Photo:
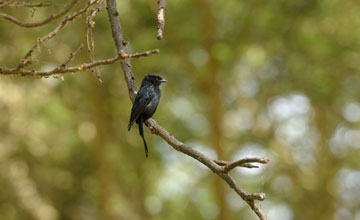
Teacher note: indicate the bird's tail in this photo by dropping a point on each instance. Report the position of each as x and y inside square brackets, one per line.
[141, 131]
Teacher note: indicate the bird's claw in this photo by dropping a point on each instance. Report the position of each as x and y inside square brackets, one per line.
[152, 129]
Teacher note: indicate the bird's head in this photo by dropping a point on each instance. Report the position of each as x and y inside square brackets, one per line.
[154, 79]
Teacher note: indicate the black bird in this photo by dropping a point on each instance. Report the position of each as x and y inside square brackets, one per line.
[146, 102]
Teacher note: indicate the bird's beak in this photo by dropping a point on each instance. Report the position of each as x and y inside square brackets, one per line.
[163, 80]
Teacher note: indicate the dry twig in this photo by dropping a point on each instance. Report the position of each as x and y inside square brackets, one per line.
[161, 18]
[71, 57]
[220, 168]
[40, 23]
[4, 4]
[89, 35]
[29, 5]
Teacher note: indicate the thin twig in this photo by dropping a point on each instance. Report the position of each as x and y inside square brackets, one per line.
[137, 55]
[4, 4]
[29, 5]
[161, 18]
[89, 35]
[71, 57]
[169, 138]
[40, 23]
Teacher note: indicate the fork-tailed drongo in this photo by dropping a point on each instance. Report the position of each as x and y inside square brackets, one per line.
[146, 102]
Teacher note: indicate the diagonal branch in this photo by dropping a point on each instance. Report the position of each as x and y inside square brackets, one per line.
[211, 164]
[40, 23]
[72, 55]
[120, 44]
[169, 138]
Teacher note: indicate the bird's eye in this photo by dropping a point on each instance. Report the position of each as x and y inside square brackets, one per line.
[157, 78]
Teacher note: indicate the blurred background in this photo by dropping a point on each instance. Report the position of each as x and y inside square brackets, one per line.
[277, 78]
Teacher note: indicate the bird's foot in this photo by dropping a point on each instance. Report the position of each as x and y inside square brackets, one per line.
[152, 129]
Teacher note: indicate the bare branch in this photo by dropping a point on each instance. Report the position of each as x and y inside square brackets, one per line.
[179, 146]
[120, 44]
[37, 24]
[161, 18]
[169, 138]
[81, 68]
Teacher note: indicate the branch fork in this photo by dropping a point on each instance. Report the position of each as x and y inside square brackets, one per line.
[227, 166]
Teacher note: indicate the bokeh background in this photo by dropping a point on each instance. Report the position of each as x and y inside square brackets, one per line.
[267, 78]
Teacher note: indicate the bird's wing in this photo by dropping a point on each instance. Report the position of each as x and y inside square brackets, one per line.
[142, 99]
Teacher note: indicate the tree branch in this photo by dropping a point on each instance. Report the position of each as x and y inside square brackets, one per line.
[14, 3]
[4, 4]
[40, 23]
[81, 68]
[72, 55]
[161, 18]
[212, 164]
[169, 138]
[120, 44]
